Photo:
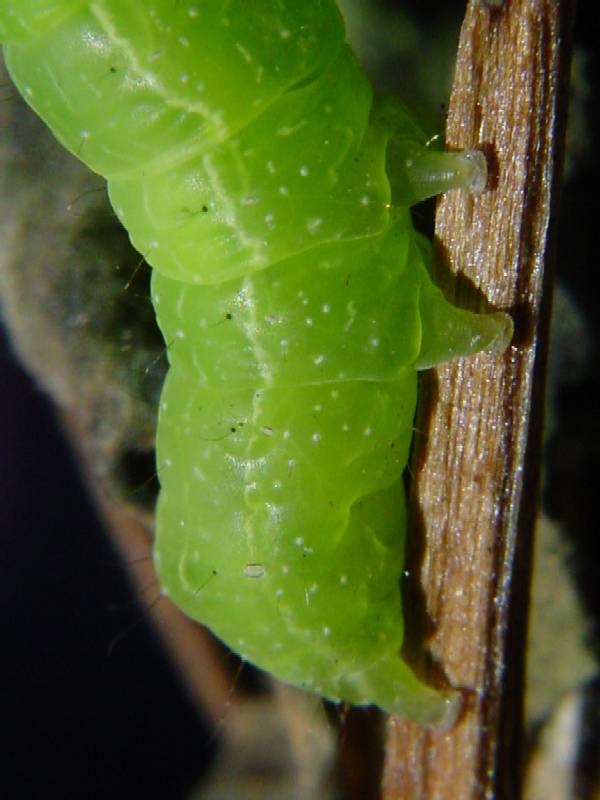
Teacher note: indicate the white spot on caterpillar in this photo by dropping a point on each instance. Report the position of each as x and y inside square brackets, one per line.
[244, 52]
[288, 130]
[344, 580]
[270, 220]
[180, 334]
[245, 466]
[292, 462]
[179, 304]
[326, 631]
[334, 394]
[277, 485]
[345, 427]
[279, 592]
[271, 167]
[192, 12]
[286, 434]
[374, 341]
[285, 33]
[275, 512]
[304, 170]
[319, 359]
[326, 308]
[299, 541]
[197, 473]
[351, 309]
[284, 344]
[283, 190]
[309, 321]
[316, 437]
[184, 41]
[285, 569]
[254, 571]
[313, 225]
[368, 431]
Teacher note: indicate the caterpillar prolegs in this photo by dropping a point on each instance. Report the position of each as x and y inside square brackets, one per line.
[270, 189]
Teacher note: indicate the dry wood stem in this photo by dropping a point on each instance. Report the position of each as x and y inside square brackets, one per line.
[475, 487]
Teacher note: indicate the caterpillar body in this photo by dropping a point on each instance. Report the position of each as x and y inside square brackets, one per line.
[269, 189]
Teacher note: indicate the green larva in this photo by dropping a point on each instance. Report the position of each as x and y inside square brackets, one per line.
[270, 190]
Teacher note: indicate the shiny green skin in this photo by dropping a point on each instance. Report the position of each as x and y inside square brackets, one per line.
[246, 157]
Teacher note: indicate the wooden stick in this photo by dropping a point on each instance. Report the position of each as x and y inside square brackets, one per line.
[475, 487]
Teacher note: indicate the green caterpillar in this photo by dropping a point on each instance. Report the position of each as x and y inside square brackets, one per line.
[251, 164]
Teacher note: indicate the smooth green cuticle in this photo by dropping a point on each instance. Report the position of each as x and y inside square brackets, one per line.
[247, 157]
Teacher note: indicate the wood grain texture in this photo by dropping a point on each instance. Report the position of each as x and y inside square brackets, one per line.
[476, 476]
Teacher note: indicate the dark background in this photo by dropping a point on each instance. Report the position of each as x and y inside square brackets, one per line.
[90, 706]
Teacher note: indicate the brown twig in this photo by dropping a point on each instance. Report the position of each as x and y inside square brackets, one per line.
[476, 481]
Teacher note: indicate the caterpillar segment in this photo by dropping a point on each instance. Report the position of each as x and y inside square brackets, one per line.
[255, 170]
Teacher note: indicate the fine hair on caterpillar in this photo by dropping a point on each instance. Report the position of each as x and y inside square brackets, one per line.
[270, 190]
[82, 196]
